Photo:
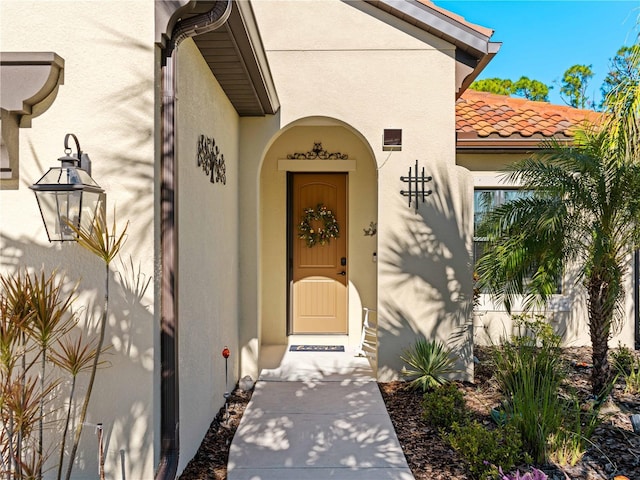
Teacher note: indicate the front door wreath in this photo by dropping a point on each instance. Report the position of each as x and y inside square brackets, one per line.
[318, 225]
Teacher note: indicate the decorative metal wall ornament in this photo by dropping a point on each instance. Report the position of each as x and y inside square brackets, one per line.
[419, 189]
[211, 160]
[372, 230]
[317, 153]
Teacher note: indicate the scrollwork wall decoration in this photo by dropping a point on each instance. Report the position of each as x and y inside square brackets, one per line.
[318, 153]
[211, 160]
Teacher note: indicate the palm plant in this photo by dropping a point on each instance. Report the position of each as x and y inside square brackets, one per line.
[35, 328]
[50, 306]
[34, 313]
[584, 211]
[73, 356]
[105, 243]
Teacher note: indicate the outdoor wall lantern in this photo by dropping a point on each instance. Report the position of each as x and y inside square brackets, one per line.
[67, 195]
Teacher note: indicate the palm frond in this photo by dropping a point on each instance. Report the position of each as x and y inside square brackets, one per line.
[525, 251]
[74, 356]
[100, 239]
[622, 108]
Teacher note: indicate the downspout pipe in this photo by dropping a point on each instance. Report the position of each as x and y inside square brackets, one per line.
[169, 384]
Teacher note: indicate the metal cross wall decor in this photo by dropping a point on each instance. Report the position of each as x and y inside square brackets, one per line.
[317, 153]
[419, 189]
[211, 160]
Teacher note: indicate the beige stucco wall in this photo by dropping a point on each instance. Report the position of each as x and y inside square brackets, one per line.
[107, 100]
[352, 63]
[567, 311]
[208, 263]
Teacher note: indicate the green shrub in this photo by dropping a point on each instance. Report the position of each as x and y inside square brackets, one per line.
[622, 359]
[628, 366]
[443, 406]
[568, 444]
[483, 449]
[429, 364]
[529, 373]
[633, 379]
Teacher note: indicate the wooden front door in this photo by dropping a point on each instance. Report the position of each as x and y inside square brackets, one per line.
[319, 273]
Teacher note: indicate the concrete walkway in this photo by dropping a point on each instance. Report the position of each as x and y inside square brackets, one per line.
[316, 416]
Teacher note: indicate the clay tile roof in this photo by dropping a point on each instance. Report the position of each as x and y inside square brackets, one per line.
[482, 114]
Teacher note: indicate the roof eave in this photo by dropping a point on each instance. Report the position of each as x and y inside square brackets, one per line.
[492, 50]
[505, 144]
[436, 23]
[244, 28]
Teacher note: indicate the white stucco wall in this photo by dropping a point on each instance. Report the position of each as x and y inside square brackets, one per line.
[353, 63]
[107, 100]
[208, 259]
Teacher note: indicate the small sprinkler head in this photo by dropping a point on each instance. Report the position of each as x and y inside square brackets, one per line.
[226, 352]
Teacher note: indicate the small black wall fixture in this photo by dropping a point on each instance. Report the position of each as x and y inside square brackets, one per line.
[417, 186]
[318, 153]
[211, 160]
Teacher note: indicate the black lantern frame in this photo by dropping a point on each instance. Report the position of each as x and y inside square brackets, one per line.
[68, 196]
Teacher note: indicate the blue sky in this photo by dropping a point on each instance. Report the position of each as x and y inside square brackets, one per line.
[541, 39]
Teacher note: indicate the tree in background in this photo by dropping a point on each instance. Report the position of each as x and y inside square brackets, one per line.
[531, 89]
[574, 83]
[499, 86]
[524, 87]
[621, 69]
[574, 86]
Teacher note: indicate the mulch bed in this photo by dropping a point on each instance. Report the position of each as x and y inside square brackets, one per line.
[615, 450]
[210, 462]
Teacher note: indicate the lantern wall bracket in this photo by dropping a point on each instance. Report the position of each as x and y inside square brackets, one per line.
[417, 186]
[68, 198]
[67, 150]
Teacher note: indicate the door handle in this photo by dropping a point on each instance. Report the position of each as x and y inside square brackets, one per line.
[343, 273]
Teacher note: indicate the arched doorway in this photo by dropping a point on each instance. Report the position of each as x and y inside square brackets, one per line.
[316, 163]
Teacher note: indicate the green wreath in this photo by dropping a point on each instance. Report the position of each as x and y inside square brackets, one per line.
[311, 232]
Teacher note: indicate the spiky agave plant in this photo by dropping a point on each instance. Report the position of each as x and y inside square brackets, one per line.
[430, 362]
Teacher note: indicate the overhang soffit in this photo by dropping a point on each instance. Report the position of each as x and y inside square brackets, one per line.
[233, 52]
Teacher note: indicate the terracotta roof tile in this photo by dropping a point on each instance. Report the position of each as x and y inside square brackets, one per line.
[488, 114]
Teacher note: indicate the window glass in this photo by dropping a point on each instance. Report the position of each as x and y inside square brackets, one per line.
[485, 200]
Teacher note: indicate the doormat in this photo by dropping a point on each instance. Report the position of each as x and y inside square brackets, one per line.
[316, 348]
